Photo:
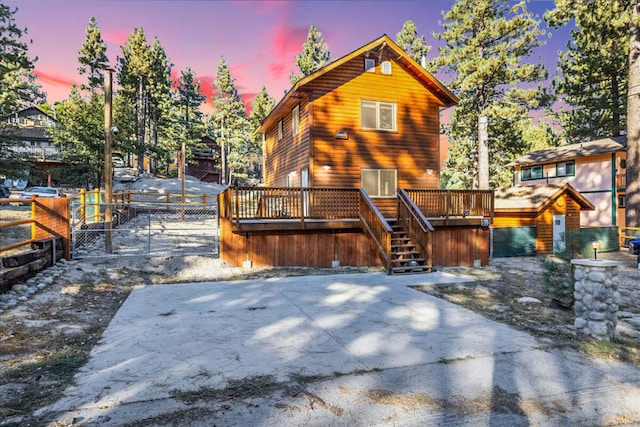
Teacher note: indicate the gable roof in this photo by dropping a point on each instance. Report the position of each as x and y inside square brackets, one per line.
[568, 152]
[439, 90]
[535, 198]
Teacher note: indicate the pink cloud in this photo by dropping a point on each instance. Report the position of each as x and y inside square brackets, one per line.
[118, 37]
[53, 79]
[287, 41]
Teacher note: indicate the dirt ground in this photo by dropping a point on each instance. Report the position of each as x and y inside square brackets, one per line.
[45, 339]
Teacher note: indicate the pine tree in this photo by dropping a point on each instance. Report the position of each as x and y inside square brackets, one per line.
[632, 211]
[186, 103]
[487, 44]
[230, 123]
[134, 68]
[18, 89]
[416, 47]
[159, 88]
[260, 109]
[92, 56]
[314, 55]
[594, 68]
[80, 136]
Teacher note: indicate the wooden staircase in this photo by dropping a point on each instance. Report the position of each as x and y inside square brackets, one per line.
[405, 255]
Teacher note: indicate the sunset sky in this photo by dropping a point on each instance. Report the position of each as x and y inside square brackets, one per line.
[259, 39]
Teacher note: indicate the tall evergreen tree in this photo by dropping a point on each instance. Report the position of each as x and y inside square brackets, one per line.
[260, 109]
[416, 47]
[594, 68]
[18, 89]
[314, 55]
[92, 56]
[487, 44]
[134, 68]
[80, 136]
[189, 125]
[159, 89]
[230, 122]
[632, 211]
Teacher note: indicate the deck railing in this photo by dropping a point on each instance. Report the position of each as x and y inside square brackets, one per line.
[254, 203]
[377, 228]
[416, 225]
[453, 203]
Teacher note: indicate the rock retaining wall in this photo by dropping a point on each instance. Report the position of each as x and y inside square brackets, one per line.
[596, 297]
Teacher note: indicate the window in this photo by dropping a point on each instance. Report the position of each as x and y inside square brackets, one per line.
[531, 172]
[370, 65]
[379, 182]
[386, 67]
[295, 120]
[565, 169]
[279, 130]
[378, 115]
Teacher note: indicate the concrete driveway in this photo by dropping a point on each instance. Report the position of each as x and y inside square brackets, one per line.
[349, 349]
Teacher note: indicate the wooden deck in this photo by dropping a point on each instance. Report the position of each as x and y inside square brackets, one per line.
[419, 218]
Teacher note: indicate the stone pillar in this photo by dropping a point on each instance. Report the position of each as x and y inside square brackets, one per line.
[596, 297]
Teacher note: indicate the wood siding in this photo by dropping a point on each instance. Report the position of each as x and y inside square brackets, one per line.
[332, 103]
[291, 153]
[543, 221]
[297, 248]
[460, 246]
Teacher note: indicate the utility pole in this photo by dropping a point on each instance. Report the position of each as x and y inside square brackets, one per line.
[183, 151]
[108, 161]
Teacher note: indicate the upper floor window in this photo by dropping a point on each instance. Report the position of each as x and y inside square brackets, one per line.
[531, 172]
[380, 182]
[378, 115]
[280, 134]
[565, 168]
[295, 120]
[386, 67]
[370, 65]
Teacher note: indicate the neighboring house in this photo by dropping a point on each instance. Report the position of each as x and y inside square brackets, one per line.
[533, 219]
[370, 120]
[207, 168]
[596, 169]
[29, 127]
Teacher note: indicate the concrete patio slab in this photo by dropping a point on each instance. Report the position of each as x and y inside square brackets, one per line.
[332, 350]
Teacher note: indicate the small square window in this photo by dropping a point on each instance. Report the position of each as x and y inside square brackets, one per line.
[531, 172]
[621, 202]
[386, 67]
[370, 65]
[564, 169]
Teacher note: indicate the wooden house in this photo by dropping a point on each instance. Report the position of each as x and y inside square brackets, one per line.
[531, 219]
[597, 169]
[206, 166]
[352, 174]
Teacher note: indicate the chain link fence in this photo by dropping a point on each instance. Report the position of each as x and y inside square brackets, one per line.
[145, 229]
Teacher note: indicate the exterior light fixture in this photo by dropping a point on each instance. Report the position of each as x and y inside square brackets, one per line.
[595, 244]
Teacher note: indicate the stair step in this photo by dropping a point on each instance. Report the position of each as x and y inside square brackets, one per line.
[405, 253]
[415, 262]
[410, 270]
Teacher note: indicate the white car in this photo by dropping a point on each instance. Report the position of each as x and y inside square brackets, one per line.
[40, 192]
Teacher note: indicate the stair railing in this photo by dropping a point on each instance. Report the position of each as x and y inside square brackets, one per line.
[377, 228]
[416, 225]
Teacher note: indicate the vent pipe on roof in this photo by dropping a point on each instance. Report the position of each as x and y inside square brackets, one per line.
[423, 61]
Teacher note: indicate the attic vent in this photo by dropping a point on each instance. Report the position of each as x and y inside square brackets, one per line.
[386, 67]
[370, 65]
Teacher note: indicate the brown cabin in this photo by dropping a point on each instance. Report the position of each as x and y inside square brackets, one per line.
[207, 162]
[370, 120]
[352, 174]
[552, 209]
